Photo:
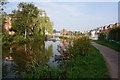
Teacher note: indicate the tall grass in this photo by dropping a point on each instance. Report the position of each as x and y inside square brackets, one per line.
[91, 65]
[85, 61]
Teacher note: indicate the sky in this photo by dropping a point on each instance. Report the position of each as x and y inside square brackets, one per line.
[76, 16]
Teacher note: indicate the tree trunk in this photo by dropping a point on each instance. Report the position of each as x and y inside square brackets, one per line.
[25, 33]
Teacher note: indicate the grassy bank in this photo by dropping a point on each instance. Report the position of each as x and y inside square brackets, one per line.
[84, 61]
[109, 44]
[90, 66]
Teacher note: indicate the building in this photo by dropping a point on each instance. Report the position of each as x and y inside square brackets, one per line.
[109, 27]
[94, 34]
[117, 24]
[105, 29]
[66, 32]
[6, 26]
[63, 32]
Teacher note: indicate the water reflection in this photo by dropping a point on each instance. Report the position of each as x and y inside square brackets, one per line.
[18, 57]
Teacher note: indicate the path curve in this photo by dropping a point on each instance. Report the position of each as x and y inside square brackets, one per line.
[111, 58]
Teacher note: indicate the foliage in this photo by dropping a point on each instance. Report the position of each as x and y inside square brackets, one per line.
[25, 18]
[20, 39]
[114, 34]
[29, 20]
[28, 23]
[63, 37]
[80, 47]
[2, 5]
[42, 73]
[49, 27]
[6, 38]
[110, 44]
[78, 33]
[102, 36]
[89, 66]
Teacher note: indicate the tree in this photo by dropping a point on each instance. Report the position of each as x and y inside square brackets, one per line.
[28, 19]
[2, 17]
[24, 18]
[2, 13]
[114, 34]
[102, 36]
[49, 27]
[2, 3]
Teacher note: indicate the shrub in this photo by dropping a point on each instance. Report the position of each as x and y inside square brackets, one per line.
[6, 38]
[63, 37]
[102, 36]
[114, 34]
[42, 72]
[80, 47]
[21, 39]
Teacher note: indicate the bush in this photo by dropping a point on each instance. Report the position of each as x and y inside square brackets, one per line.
[6, 38]
[21, 39]
[42, 72]
[114, 34]
[80, 47]
[102, 36]
[63, 37]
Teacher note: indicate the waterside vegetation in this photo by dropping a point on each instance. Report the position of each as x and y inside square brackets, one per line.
[84, 61]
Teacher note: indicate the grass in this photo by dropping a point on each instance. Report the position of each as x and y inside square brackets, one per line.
[42, 73]
[91, 65]
[109, 44]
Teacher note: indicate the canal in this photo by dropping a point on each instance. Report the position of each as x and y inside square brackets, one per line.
[16, 58]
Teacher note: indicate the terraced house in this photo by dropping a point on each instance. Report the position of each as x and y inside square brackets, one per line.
[105, 29]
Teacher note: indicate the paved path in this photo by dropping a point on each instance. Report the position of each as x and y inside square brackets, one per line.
[111, 58]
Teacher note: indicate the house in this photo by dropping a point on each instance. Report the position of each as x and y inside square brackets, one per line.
[105, 29]
[63, 32]
[117, 24]
[70, 33]
[66, 32]
[94, 35]
[6, 26]
[109, 27]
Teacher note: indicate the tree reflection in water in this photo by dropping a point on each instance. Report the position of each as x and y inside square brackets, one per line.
[23, 56]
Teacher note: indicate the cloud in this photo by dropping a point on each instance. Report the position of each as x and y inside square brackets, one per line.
[78, 15]
[60, 10]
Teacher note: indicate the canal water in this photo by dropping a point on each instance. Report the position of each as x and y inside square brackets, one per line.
[16, 58]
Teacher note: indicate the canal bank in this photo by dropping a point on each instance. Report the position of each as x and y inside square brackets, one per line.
[37, 60]
[19, 57]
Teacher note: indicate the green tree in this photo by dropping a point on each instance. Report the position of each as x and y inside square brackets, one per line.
[49, 27]
[24, 18]
[2, 5]
[102, 36]
[2, 18]
[114, 34]
[29, 20]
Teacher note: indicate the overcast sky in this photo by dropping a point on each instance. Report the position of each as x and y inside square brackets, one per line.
[76, 16]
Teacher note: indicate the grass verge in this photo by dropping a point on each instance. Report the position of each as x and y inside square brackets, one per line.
[90, 66]
[109, 44]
